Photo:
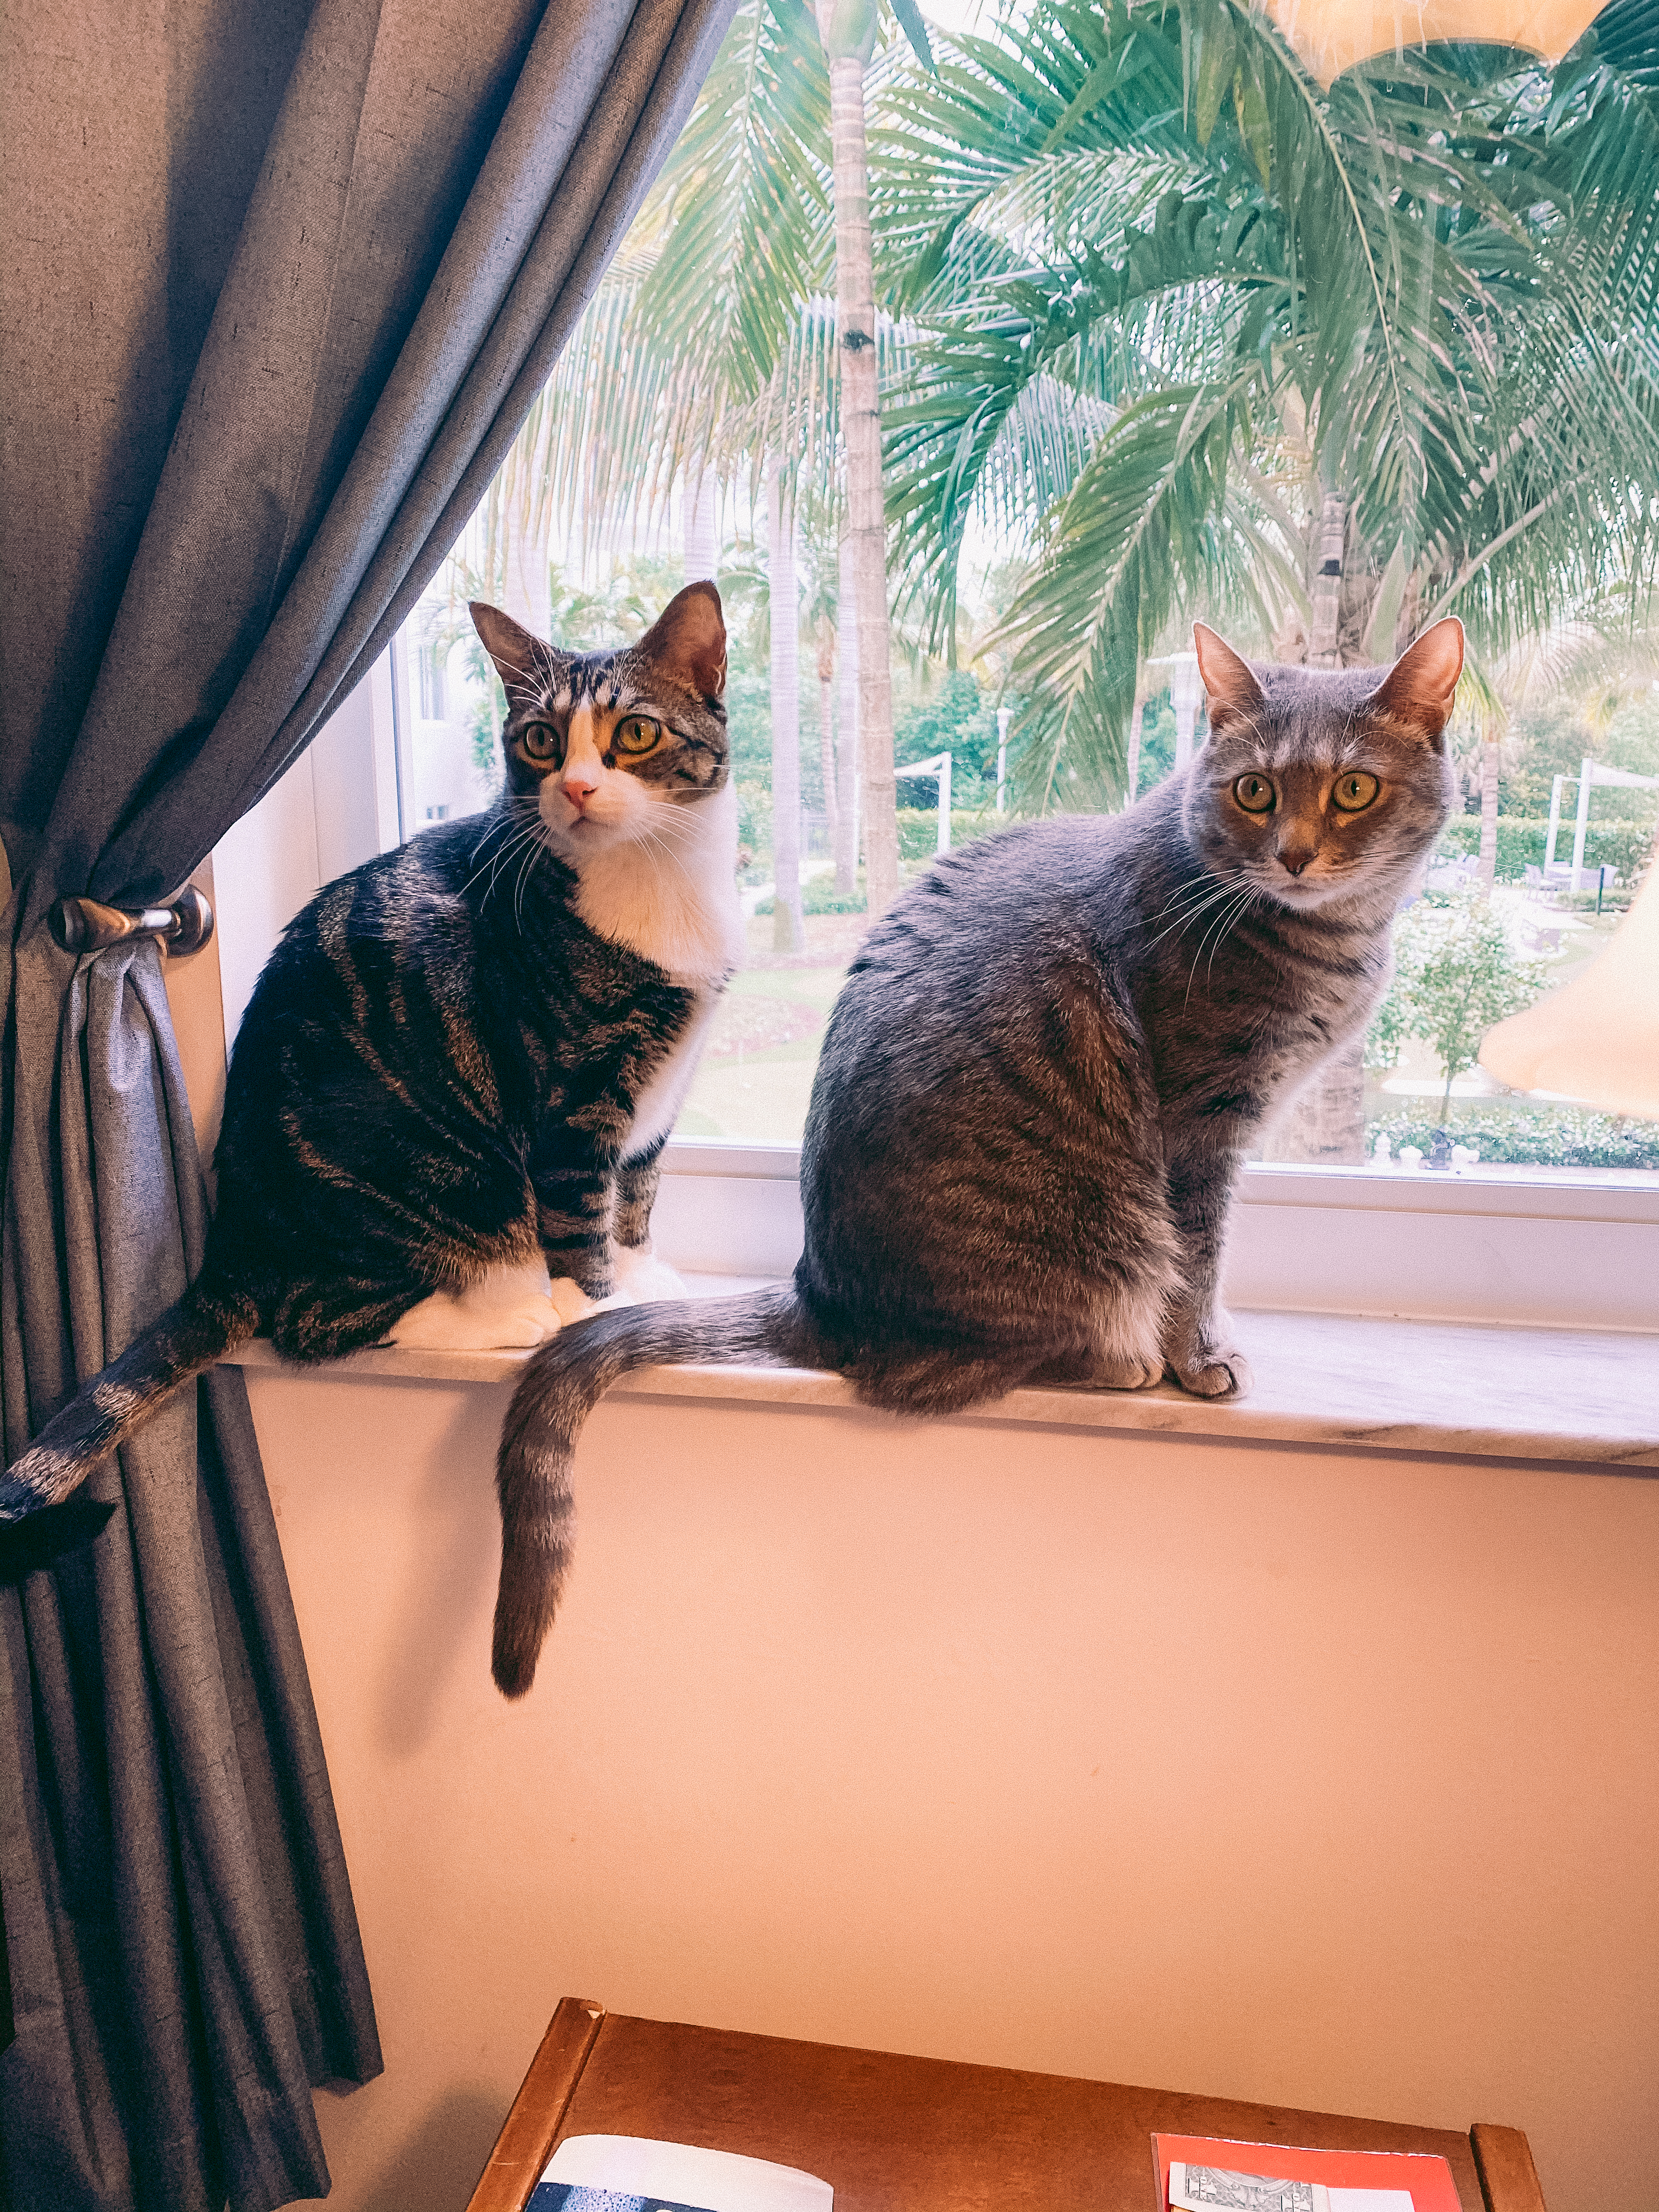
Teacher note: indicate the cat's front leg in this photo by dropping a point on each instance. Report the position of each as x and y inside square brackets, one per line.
[575, 1202]
[639, 1272]
[1198, 1330]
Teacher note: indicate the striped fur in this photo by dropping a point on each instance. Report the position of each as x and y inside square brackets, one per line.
[441, 1067]
[1037, 1082]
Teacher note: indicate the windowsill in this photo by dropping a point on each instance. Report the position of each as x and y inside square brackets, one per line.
[1583, 1396]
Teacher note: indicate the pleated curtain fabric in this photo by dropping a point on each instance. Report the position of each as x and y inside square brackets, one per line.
[280, 283]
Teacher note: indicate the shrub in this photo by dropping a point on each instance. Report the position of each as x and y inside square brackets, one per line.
[1522, 842]
[1541, 1136]
[918, 828]
[818, 895]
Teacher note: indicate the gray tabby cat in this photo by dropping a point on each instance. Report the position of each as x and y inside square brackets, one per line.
[1038, 1082]
[451, 1088]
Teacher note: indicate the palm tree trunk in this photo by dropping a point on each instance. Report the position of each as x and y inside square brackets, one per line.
[860, 422]
[1327, 1124]
[846, 821]
[827, 729]
[788, 929]
[1488, 815]
[1325, 645]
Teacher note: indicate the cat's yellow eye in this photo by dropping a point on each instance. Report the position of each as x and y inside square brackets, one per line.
[1355, 791]
[636, 733]
[540, 741]
[1254, 794]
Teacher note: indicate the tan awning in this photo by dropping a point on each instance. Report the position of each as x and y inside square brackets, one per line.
[1596, 1038]
[1332, 35]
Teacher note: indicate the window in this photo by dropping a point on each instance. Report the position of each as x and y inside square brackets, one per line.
[1338, 433]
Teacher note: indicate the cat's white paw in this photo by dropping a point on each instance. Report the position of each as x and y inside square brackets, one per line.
[1132, 1373]
[642, 1276]
[570, 1300]
[507, 1309]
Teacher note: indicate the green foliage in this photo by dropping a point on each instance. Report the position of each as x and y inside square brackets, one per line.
[1163, 288]
[747, 195]
[818, 895]
[1552, 740]
[958, 716]
[1158, 743]
[1457, 972]
[1537, 1136]
[1626, 846]
[918, 829]
[754, 817]
[487, 716]
[619, 609]
[748, 725]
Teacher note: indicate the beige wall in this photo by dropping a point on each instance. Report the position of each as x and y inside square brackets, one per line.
[1331, 1780]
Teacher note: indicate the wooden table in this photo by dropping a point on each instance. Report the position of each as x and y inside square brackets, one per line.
[915, 2135]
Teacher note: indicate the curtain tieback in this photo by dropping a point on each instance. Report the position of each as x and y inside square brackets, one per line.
[84, 925]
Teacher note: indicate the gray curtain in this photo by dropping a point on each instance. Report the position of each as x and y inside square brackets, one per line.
[280, 283]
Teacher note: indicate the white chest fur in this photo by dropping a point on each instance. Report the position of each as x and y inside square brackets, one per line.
[672, 897]
[671, 894]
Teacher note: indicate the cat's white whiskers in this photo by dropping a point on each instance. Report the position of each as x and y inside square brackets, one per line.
[504, 859]
[1195, 900]
[1203, 880]
[1220, 889]
[497, 860]
[653, 839]
[1217, 929]
[493, 829]
[538, 845]
[1237, 915]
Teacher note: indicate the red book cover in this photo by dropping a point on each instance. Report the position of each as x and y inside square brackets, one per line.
[1421, 2176]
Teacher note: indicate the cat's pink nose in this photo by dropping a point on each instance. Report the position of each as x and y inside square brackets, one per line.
[1294, 860]
[580, 787]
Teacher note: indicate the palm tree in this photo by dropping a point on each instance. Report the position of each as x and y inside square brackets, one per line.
[788, 928]
[1201, 331]
[847, 28]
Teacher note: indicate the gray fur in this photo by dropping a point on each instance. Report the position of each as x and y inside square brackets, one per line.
[1037, 1084]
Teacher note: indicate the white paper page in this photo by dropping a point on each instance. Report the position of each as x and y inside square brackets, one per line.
[1371, 2200]
[715, 2180]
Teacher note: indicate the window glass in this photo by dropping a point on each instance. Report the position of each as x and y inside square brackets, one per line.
[1210, 312]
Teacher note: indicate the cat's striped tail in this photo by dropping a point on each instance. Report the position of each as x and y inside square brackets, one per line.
[189, 1336]
[561, 1385]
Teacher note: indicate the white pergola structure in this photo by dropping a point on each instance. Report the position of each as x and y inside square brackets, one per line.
[939, 766]
[1186, 697]
[1589, 772]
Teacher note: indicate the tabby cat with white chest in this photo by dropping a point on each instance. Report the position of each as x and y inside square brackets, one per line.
[1047, 1061]
[451, 1088]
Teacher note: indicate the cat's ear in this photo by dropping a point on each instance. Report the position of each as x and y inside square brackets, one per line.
[688, 639]
[1418, 687]
[1233, 694]
[519, 657]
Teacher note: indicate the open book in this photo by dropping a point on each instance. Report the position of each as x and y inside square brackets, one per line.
[1203, 2173]
[631, 2173]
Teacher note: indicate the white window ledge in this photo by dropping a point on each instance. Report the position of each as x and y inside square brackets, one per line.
[1584, 1397]
[1544, 1248]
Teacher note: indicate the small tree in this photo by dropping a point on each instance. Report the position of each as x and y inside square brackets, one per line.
[1457, 971]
